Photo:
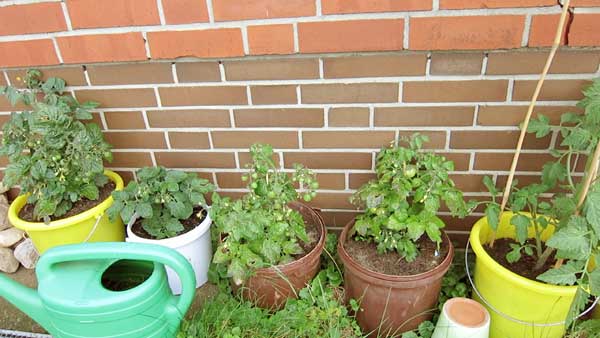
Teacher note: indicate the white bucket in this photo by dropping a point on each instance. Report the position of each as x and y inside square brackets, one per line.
[194, 245]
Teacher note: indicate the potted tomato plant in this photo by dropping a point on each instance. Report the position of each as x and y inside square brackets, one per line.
[539, 252]
[56, 157]
[396, 253]
[167, 207]
[269, 245]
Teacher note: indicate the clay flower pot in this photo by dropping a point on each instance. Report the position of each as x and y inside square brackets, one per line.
[389, 304]
[270, 288]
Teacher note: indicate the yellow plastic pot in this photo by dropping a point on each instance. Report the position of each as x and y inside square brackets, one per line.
[91, 225]
[519, 307]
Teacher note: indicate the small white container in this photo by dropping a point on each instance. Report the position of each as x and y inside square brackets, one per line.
[194, 245]
[462, 318]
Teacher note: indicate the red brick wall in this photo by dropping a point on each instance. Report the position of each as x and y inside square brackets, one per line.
[192, 83]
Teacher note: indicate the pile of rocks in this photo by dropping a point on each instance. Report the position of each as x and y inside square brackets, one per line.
[15, 248]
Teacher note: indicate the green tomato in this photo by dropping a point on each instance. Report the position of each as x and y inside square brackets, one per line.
[410, 171]
[314, 185]
[271, 194]
[307, 198]
[254, 185]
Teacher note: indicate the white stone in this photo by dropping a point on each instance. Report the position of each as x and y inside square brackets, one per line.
[8, 262]
[10, 237]
[26, 254]
[4, 223]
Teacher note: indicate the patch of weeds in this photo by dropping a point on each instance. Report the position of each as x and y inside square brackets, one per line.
[585, 329]
[318, 312]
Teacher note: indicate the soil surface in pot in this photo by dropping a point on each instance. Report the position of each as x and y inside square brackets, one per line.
[390, 263]
[80, 206]
[188, 224]
[524, 267]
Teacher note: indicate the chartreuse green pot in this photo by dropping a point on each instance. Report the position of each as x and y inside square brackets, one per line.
[519, 307]
[92, 225]
[106, 290]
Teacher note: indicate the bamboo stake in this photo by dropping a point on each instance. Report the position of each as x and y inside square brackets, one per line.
[536, 93]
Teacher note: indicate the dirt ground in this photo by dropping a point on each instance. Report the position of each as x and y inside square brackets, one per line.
[13, 319]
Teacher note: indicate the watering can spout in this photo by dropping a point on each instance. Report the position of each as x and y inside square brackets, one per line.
[26, 299]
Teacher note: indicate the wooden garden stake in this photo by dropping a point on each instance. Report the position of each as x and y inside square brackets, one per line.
[536, 93]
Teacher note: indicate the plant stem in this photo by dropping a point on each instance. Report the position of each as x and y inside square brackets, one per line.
[543, 258]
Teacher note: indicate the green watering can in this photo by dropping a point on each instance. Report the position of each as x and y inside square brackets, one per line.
[106, 290]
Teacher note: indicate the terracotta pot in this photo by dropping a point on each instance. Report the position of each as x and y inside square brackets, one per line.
[391, 304]
[270, 288]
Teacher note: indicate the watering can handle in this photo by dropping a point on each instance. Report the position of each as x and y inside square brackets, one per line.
[131, 251]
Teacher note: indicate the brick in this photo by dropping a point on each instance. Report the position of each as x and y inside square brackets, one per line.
[437, 139]
[502, 161]
[136, 140]
[491, 139]
[124, 120]
[195, 159]
[231, 10]
[112, 13]
[244, 139]
[565, 62]
[329, 160]
[189, 140]
[514, 115]
[73, 75]
[19, 53]
[189, 118]
[197, 96]
[351, 36]
[137, 73]
[102, 48]
[2, 80]
[374, 66]
[338, 219]
[7, 107]
[274, 94]
[32, 18]
[367, 6]
[543, 29]
[231, 180]
[464, 4]
[282, 69]
[584, 3]
[466, 32]
[552, 90]
[184, 11]
[198, 71]
[350, 93]
[331, 181]
[348, 117]
[119, 98]
[358, 180]
[208, 43]
[130, 160]
[455, 91]
[271, 39]
[456, 63]
[461, 160]
[469, 182]
[284, 118]
[584, 30]
[347, 139]
[423, 116]
[325, 200]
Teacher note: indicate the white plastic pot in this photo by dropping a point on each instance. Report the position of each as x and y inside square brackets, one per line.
[461, 318]
[194, 245]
